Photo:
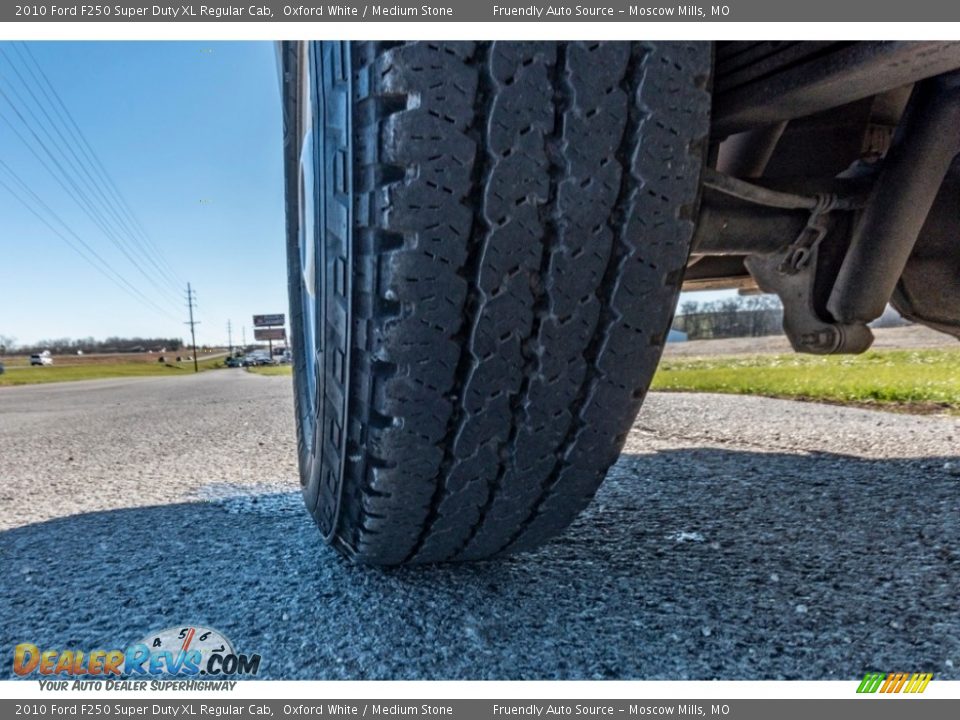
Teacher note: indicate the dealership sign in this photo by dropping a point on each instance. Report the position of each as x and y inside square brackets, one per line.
[269, 320]
[269, 334]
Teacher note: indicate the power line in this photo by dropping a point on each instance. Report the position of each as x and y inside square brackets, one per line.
[78, 163]
[104, 266]
[83, 202]
[98, 262]
[74, 175]
[91, 154]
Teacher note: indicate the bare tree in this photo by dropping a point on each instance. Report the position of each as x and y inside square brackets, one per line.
[741, 316]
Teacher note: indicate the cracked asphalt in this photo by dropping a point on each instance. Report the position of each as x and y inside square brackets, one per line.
[736, 538]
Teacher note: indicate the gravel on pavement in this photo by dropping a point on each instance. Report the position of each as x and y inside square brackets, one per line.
[736, 538]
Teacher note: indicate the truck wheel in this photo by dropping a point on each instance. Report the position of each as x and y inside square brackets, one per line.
[485, 245]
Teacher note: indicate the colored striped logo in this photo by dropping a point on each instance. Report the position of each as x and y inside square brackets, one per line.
[895, 682]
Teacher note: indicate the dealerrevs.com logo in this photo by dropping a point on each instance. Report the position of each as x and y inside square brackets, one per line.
[188, 651]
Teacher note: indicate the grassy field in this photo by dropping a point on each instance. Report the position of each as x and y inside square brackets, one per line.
[911, 380]
[925, 380]
[271, 369]
[149, 358]
[99, 368]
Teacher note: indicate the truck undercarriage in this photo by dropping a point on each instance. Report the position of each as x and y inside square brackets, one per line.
[831, 182]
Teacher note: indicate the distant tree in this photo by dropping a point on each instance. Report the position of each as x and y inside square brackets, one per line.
[108, 345]
[689, 307]
[740, 316]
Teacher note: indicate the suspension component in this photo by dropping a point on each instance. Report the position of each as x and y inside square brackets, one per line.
[925, 145]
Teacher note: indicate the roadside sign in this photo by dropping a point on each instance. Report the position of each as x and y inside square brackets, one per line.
[269, 334]
[269, 320]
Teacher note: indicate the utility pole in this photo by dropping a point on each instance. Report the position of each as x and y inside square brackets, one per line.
[191, 301]
[243, 331]
[229, 340]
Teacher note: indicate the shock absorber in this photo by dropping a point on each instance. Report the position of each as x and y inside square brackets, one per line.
[926, 142]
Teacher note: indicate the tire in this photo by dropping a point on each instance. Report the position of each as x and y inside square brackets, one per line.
[496, 235]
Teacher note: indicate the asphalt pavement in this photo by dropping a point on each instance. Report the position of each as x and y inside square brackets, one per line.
[736, 538]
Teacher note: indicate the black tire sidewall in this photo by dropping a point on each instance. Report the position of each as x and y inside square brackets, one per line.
[294, 132]
[322, 453]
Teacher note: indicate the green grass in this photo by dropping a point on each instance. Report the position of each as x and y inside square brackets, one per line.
[99, 371]
[271, 369]
[916, 380]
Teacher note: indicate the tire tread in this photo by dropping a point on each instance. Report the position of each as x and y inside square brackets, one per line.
[523, 213]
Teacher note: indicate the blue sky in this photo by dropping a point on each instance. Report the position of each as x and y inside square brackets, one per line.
[191, 135]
